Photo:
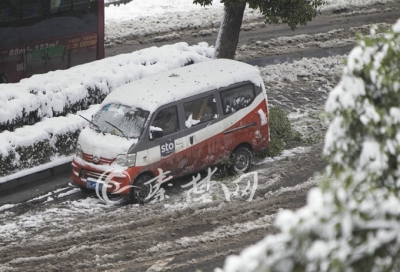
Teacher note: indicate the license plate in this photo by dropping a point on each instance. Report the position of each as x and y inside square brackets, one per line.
[92, 184]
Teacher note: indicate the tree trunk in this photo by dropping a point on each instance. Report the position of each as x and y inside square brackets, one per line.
[228, 36]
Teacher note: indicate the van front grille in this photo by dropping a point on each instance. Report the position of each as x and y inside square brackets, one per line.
[100, 160]
[93, 175]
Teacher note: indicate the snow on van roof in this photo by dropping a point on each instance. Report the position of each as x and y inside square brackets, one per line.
[151, 92]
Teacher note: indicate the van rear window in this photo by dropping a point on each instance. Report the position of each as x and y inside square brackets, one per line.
[237, 98]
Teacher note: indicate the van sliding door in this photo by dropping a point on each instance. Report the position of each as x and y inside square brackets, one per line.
[200, 114]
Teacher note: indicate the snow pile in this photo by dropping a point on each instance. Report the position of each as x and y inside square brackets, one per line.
[352, 221]
[67, 91]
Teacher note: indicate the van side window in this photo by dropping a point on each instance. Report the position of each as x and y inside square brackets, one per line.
[237, 98]
[167, 120]
[200, 110]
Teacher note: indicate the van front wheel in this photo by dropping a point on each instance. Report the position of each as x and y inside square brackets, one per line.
[85, 190]
[241, 160]
[141, 191]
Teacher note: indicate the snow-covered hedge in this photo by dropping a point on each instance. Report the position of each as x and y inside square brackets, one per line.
[63, 92]
[352, 221]
[38, 144]
[68, 91]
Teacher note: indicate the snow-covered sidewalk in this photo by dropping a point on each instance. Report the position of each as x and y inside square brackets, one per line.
[139, 17]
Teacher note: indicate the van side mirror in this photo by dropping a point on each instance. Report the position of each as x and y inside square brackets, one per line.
[155, 132]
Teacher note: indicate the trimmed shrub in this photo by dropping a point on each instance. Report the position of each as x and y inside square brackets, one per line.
[280, 130]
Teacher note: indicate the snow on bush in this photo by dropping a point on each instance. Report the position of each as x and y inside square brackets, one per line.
[67, 91]
[352, 221]
[40, 143]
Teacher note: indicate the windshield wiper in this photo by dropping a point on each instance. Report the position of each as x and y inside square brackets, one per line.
[118, 129]
[93, 124]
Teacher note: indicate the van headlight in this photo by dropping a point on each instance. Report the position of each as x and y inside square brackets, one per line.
[78, 151]
[126, 160]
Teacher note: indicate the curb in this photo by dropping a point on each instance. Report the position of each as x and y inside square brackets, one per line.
[53, 171]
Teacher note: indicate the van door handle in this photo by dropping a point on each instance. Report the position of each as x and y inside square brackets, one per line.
[191, 138]
[179, 142]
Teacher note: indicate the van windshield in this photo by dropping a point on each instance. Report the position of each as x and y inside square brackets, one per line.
[120, 120]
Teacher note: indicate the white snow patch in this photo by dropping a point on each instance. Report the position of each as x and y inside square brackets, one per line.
[41, 197]
[70, 192]
[263, 117]
[286, 153]
[311, 182]
[6, 207]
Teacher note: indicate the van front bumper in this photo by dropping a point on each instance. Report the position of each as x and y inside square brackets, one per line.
[116, 180]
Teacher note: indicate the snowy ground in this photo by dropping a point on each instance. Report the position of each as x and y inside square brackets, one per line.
[83, 233]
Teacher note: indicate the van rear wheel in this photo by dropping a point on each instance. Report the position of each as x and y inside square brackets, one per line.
[241, 160]
[141, 191]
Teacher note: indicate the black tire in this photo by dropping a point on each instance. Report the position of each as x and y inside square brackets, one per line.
[241, 160]
[141, 191]
[85, 190]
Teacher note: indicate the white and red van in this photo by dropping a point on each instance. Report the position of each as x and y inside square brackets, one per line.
[181, 121]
